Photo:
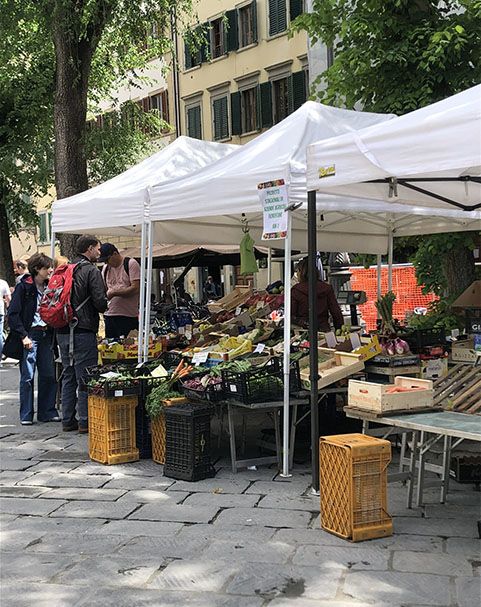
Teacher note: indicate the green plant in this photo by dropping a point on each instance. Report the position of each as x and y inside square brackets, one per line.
[155, 403]
[439, 315]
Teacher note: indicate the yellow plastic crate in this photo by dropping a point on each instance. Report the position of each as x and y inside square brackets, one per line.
[112, 429]
[158, 431]
[353, 486]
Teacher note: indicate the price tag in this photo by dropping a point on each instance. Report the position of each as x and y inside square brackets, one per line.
[118, 393]
[181, 330]
[139, 365]
[260, 304]
[200, 357]
[196, 331]
[238, 310]
[233, 388]
[355, 340]
[260, 348]
[188, 335]
[330, 339]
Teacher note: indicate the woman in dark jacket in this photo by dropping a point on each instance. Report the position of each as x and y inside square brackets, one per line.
[326, 302]
[25, 322]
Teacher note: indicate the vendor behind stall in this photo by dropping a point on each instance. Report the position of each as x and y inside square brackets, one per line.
[326, 302]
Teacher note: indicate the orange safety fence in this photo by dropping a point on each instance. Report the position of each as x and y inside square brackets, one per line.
[409, 294]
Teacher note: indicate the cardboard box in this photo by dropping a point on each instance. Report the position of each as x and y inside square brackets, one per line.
[434, 368]
[464, 352]
[237, 297]
[370, 396]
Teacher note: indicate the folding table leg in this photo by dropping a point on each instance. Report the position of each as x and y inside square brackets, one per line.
[412, 468]
[446, 468]
[233, 453]
[403, 451]
[421, 470]
[293, 436]
[277, 432]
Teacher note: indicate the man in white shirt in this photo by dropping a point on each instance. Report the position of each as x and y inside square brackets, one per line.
[4, 303]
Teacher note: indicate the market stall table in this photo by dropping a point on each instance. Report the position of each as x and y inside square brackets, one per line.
[444, 425]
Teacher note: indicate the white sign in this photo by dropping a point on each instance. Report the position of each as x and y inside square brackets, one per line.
[260, 348]
[274, 200]
[200, 357]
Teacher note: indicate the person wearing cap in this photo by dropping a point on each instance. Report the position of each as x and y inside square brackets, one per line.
[122, 281]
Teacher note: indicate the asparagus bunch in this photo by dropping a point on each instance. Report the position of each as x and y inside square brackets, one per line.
[384, 306]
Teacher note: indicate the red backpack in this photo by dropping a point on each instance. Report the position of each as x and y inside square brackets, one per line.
[55, 307]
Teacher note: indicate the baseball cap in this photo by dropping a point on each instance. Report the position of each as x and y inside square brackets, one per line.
[106, 250]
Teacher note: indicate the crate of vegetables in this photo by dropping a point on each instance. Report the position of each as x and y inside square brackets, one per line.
[249, 385]
[207, 386]
[114, 384]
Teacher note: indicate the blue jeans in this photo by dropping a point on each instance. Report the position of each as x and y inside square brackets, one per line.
[85, 354]
[40, 358]
[2, 319]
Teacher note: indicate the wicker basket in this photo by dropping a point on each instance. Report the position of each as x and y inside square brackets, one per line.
[112, 429]
[158, 431]
[353, 486]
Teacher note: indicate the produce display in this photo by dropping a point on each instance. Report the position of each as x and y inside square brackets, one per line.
[391, 344]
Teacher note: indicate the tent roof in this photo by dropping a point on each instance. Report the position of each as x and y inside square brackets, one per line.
[435, 148]
[117, 205]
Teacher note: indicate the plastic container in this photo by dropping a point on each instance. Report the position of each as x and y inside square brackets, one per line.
[353, 486]
[254, 385]
[421, 338]
[112, 429]
[157, 425]
[188, 453]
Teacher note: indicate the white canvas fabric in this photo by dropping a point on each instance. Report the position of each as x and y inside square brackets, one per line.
[117, 205]
[442, 140]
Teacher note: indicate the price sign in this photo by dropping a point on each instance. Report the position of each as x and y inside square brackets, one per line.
[260, 304]
[260, 348]
[238, 310]
[200, 357]
[355, 340]
[330, 339]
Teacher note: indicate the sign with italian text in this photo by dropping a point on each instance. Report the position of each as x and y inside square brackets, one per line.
[274, 200]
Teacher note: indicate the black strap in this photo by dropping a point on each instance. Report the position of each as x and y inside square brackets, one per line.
[126, 266]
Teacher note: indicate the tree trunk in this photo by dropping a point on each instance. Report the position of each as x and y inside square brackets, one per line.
[459, 270]
[6, 259]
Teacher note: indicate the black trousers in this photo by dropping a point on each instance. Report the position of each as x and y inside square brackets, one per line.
[118, 326]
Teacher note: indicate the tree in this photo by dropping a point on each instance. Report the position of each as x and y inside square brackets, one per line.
[395, 56]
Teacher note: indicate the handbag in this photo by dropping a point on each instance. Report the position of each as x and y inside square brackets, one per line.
[13, 346]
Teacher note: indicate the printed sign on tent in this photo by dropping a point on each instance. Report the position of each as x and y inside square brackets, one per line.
[274, 200]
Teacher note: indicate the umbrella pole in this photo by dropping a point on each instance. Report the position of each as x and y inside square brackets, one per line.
[269, 266]
[287, 345]
[148, 292]
[390, 259]
[313, 354]
[52, 246]
[142, 293]
[379, 276]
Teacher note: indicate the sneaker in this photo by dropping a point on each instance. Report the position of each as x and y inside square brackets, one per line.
[26, 423]
[55, 419]
[83, 430]
[70, 428]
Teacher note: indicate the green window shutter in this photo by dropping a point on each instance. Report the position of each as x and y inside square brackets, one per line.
[281, 16]
[254, 21]
[194, 125]
[188, 57]
[265, 105]
[298, 89]
[290, 95]
[232, 33]
[296, 8]
[43, 227]
[273, 17]
[203, 32]
[221, 118]
[235, 113]
[49, 226]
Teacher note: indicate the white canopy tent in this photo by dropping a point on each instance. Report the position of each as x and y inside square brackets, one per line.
[428, 158]
[120, 205]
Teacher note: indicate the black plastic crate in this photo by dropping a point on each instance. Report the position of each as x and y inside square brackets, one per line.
[467, 469]
[187, 435]
[170, 359]
[406, 360]
[143, 431]
[116, 388]
[254, 385]
[422, 338]
[213, 393]
[473, 320]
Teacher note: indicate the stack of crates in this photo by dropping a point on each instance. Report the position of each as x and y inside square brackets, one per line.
[353, 486]
[112, 429]
[188, 450]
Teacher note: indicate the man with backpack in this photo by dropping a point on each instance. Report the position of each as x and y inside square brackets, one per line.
[122, 280]
[78, 339]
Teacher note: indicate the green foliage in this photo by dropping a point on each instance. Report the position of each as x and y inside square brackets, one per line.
[155, 402]
[440, 315]
[395, 55]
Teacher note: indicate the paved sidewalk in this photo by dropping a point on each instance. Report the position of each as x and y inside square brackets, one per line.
[76, 533]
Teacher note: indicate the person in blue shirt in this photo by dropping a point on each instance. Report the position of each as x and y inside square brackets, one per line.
[37, 339]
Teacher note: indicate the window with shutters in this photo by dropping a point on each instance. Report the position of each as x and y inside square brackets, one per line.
[247, 19]
[280, 99]
[220, 116]
[249, 121]
[194, 122]
[217, 38]
[44, 227]
[277, 17]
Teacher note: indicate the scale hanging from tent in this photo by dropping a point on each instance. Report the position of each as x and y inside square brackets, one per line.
[352, 299]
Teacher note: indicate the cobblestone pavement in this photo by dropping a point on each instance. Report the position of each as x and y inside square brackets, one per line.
[78, 533]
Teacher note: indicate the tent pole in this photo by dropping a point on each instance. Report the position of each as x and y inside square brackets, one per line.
[379, 276]
[142, 292]
[287, 345]
[148, 292]
[390, 258]
[52, 246]
[269, 266]
[313, 354]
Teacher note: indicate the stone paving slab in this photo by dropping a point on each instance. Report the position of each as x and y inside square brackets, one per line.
[131, 528]
[61, 456]
[399, 588]
[51, 468]
[212, 484]
[164, 547]
[23, 491]
[264, 517]
[77, 543]
[451, 511]
[343, 557]
[221, 500]
[37, 524]
[7, 463]
[15, 540]
[468, 591]
[308, 503]
[195, 576]
[303, 602]
[116, 571]
[38, 506]
[148, 496]
[463, 546]
[279, 487]
[86, 509]
[234, 533]
[444, 527]
[77, 493]
[284, 580]
[9, 478]
[174, 513]
[29, 568]
[45, 479]
[41, 595]
[440, 564]
[122, 481]
[248, 550]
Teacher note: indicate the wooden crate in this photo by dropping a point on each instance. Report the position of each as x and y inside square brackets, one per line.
[235, 298]
[370, 396]
[112, 429]
[464, 352]
[335, 366]
[158, 431]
